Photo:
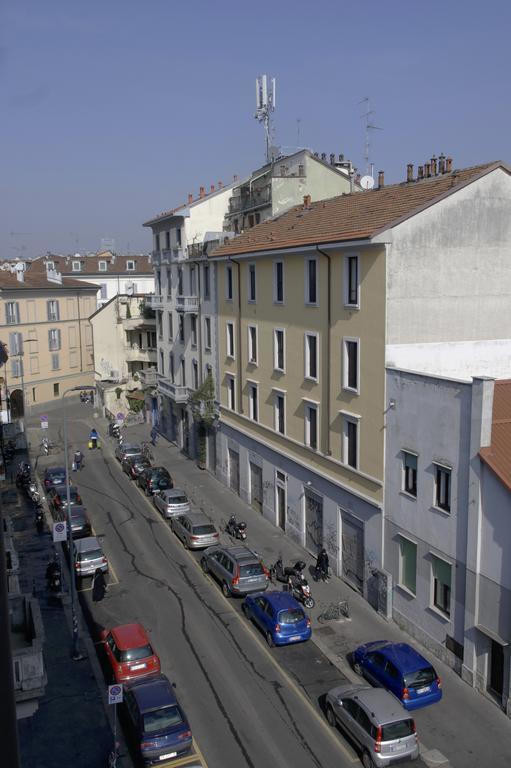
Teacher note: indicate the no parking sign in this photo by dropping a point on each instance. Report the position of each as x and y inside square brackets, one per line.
[59, 531]
[115, 694]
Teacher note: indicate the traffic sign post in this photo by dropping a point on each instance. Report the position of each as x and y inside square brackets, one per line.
[115, 697]
[59, 531]
[44, 422]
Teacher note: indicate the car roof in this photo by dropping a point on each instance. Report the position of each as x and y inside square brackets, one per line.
[153, 692]
[54, 470]
[240, 552]
[402, 655]
[198, 518]
[157, 469]
[62, 487]
[381, 705]
[171, 493]
[129, 636]
[280, 600]
[77, 510]
[87, 544]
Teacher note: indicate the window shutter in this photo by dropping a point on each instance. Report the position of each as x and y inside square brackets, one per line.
[59, 343]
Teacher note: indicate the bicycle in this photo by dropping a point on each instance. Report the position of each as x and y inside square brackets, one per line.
[335, 612]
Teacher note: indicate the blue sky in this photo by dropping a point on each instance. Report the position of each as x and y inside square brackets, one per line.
[114, 110]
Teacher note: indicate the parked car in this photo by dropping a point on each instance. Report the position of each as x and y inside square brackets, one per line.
[88, 556]
[135, 465]
[279, 616]
[195, 530]
[156, 721]
[155, 479]
[171, 502]
[401, 670]
[80, 523]
[375, 721]
[127, 449]
[129, 652]
[57, 496]
[237, 569]
[54, 476]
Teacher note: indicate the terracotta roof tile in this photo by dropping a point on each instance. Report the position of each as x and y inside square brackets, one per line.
[354, 216]
[38, 281]
[498, 454]
[90, 264]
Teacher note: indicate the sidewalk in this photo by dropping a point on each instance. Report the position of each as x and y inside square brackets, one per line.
[455, 732]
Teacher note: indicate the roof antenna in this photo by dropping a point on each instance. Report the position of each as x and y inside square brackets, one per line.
[367, 181]
[266, 101]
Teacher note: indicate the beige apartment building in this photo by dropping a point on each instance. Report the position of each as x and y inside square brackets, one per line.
[44, 323]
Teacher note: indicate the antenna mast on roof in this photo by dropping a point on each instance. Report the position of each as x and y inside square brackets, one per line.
[367, 144]
[265, 102]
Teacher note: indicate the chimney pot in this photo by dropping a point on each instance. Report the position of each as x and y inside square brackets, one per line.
[381, 179]
[306, 201]
[341, 157]
[202, 192]
[420, 172]
[212, 188]
[448, 164]
[409, 172]
[441, 163]
[220, 184]
[235, 177]
[190, 197]
[332, 158]
[323, 156]
[427, 170]
[434, 171]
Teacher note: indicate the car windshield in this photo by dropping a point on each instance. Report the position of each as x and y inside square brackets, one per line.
[397, 730]
[177, 500]
[201, 530]
[57, 476]
[91, 554]
[291, 616]
[253, 569]
[424, 676]
[133, 654]
[161, 719]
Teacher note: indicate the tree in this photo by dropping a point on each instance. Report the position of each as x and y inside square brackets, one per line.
[202, 403]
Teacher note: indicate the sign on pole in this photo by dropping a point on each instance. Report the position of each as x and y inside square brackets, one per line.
[115, 693]
[44, 422]
[60, 531]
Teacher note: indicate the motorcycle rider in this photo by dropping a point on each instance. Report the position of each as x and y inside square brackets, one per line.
[94, 437]
[322, 565]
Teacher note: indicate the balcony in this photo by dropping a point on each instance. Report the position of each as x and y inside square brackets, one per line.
[176, 392]
[168, 256]
[134, 354]
[148, 377]
[27, 637]
[155, 302]
[139, 323]
[187, 303]
[246, 202]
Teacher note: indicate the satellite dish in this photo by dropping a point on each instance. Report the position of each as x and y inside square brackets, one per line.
[367, 182]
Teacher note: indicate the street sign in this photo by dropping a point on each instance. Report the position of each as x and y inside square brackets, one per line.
[44, 422]
[120, 417]
[60, 531]
[114, 694]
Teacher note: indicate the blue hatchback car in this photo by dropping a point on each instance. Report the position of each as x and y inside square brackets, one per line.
[156, 721]
[401, 670]
[279, 616]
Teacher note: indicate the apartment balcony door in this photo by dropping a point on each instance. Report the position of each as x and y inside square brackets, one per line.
[313, 522]
[352, 551]
[496, 683]
[234, 471]
[256, 487]
[280, 499]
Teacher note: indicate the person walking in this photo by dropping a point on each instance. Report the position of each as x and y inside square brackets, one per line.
[322, 565]
[78, 460]
[98, 586]
[154, 435]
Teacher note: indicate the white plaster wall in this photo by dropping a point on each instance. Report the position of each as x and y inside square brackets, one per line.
[454, 359]
[109, 352]
[115, 285]
[207, 216]
[449, 268]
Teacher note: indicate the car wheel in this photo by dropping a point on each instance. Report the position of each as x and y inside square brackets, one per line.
[357, 667]
[269, 639]
[367, 760]
[185, 542]
[204, 565]
[246, 612]
[330, 717]
[225, 589]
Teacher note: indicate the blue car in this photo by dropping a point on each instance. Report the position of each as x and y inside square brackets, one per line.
[279, 616]
[156, 721]
[401, 670]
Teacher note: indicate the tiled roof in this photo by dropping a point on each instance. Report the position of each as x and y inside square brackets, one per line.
[498, 454]
[356, 216]
[39, 281]
[90, 264]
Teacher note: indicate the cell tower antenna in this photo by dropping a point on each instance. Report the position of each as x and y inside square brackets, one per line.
[266, 90]
[368, 128]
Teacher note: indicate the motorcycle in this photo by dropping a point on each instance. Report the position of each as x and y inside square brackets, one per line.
[236, 529]
[114, 430]
[22, 474]
[280, 573]
[54, 575]
[46, 445]
[31, 489]
[299, 588]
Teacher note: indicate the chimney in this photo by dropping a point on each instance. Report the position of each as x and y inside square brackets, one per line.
[190, 197]
[332, 158]
[441, 163]
[323, 156]
[381, 179]
[212, 188]
[409, 172]
[341, 157]
[220, 184]
[420, 172]
[434, 171]
[306, 202]
[235, 177]
[202, 192]
[448, 164]
[427, 170]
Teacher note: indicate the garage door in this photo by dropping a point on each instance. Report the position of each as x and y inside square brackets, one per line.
[313, 522]
[352, 551]
[234, 471]
[256, 487]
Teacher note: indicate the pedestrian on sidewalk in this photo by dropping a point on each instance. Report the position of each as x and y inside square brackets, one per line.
[98, 586]
[154, 435]
[322, 566]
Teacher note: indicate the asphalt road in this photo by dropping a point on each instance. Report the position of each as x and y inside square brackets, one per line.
[248, 705]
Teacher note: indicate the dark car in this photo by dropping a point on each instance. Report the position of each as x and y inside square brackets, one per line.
[80, 523]
[155, 479]
[127, 449]
[156, 721]
[401, 670]
[279, 616]
[57, 496]
[54, 476]
[135, 465]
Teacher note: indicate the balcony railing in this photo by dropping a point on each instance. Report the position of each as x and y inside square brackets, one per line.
[148, 377]
[155, 302]
[136, 355]
[168, 256]
[187, 303]
[176, 392]
[246, 202]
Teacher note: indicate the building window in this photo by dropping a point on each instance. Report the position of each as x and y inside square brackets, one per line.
[195, 374]
[169, 283]
[230, 339]
[408, 565]
[193, 282]
[15, 343]
[206, 280]
[351, 281]
[311, 288]
[180, 281]
[253, 402]
[33, 394]
[50, 265]
[12, 312]
[76, 266]
[183, 372]
[53, 310]
[181, 322]
[410, 473]
[280, 413]
[16, 367]
[251, 282]
[278, 282]
[54, 340]
[179, 240]
[130, 266]
[162, 364]
[252, 344]
[167, 240]
[442, 488]
[441, 576]
[311, 425]
[102, 266]
[157, 241]
[228, 283]
[311, 356]
[350, 376]
[56, 390]
[172, 372]
[55, 362]
[207, 332]
[193, 330]
[171, 326]
[231, 392]
[279, 358]
[350, 440]
[103, 290]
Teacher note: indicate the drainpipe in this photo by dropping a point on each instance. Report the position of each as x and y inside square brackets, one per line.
[199, 322]
[79, 331]
[327, 451]
[238, 337]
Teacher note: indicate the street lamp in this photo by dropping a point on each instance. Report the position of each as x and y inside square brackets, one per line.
[75, 652]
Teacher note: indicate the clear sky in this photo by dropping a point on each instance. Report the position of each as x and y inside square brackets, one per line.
[114, 110]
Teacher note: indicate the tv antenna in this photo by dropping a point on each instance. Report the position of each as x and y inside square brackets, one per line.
[265, 101]
[370, 126]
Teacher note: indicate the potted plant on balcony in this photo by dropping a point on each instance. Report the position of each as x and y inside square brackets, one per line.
[202, 403]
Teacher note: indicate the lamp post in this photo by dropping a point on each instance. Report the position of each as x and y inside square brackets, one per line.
[75, 652]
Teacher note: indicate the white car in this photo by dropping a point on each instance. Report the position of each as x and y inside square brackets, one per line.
[171, 502]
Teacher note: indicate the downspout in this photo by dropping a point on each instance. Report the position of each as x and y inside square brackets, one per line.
[199, 323]
[79, 331]
[238, 337]
[327, 451]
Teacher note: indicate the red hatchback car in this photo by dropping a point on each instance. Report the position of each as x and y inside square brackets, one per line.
[129, 652]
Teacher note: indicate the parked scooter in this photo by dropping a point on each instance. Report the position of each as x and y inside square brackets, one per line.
[54, 575]
[236, 529]
[22, 474]
[46, 445]
[279, 572]
[299, 587]
[114, 430]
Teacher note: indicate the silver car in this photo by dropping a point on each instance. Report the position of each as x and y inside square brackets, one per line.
[195, 530]
[89, 556]
[171, 502]
[238, 570]
[376, 721]
[127, 449]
